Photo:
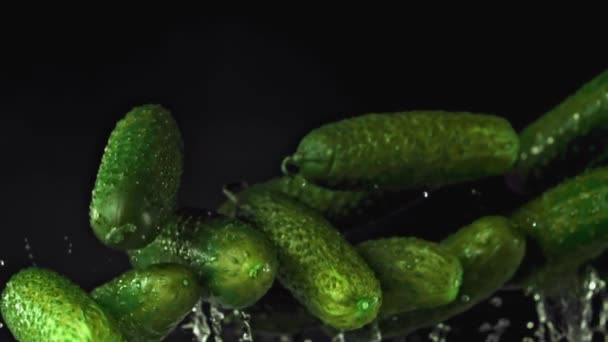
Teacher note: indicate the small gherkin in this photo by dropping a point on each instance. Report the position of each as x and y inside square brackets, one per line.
[235, 263]
[149, 303]
[404, 150]
[414, 274]
[316, 264]
[41, 305]
[138, 179]
[490, 251]
[569, 221]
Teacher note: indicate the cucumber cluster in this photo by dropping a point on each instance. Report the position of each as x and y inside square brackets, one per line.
[290, 228]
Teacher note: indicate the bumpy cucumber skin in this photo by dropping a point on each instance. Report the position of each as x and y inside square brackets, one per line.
[414, 274]
[138, 179]
[490, 251]
[235, 262]
[316, 264]
[335, 205]
[407, 149]
[569, 222]
[546, 138]
[42, 305]
[149, 303]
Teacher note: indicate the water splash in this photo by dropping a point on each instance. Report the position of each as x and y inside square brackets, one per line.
[67, 240]
[495, 332]
[440, 333]
[30, 253]
[569, 315]
[246, 326]
[376, 334]
[339, 337]
[216, 318]
[198, 323]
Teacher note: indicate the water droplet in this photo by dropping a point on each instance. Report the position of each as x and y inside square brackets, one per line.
[465, 298]
[425, 194]
[2, 263]
[496, 302]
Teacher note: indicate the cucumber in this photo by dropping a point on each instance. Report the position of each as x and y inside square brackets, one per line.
[138, 179]
[569, 222]
[41, 305]
[406, 150]
[414, 274]
[490, 251]
[550, 137]
[316, 264]
[149, 303]
[235, 263]
[336, 205]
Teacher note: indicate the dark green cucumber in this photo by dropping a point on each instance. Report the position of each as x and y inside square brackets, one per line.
[316, 264]
[569, 221]
[149, 303]
[335, 205]
[236, 264]
[41, 305]
[414, 274]
[544, 140]
[405, 150]
[490, 251]
[138, 178]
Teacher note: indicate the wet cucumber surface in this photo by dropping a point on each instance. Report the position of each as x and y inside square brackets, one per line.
[41, 305]
[406, 150]
[414, 274]
[149, 303]
[549, 137]
[236, 264]
[316, 264]
[490, 251]
[138, 179]
[569, 221]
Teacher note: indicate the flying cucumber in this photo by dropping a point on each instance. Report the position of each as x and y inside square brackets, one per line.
[551, 137]
[405, 150]
[490, 251]
[335, 205]
[149, 303]
[316, 264]
[138, 179]
[414, 274]
[41, 305]
[569, 222]
[236, 264]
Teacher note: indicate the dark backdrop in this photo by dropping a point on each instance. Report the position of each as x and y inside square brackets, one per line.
[244, 90]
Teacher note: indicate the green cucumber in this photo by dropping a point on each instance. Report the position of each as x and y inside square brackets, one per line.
[138, 179]
[490, 251]
[149, 303]
[569, 222]
[41, 305]
[547, 138]
[405, 150]
[414, 274]
[316, 264]
[235, 263]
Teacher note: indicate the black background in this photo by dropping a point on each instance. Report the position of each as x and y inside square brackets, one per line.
[244, 90]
